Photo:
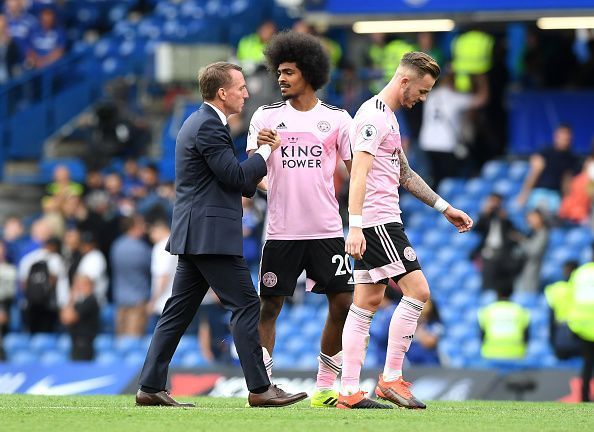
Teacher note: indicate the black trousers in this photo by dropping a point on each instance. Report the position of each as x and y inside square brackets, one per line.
[230, 279]
[588, 356]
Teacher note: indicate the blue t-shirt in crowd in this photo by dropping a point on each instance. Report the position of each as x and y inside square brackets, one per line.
[43, 42]
[131, 271]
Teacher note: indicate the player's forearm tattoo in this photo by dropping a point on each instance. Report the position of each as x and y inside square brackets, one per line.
[413, 183]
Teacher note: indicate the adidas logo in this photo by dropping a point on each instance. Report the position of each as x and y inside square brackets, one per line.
[281, 125]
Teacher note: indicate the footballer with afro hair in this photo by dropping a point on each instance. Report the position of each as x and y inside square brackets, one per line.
[305, 50]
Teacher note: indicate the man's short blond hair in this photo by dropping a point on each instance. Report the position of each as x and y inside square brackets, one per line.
[421, 63]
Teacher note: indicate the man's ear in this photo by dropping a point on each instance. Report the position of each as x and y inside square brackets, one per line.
[222, 93]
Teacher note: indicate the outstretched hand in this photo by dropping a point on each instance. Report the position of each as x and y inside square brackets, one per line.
[355, 244]
[459, 219]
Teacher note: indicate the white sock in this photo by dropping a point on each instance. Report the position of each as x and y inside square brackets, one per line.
[391, 374]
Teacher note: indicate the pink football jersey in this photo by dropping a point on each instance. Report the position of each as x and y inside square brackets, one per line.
[301, 197]
[375, 130]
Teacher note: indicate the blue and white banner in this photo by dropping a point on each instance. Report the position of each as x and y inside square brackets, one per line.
[67, 379]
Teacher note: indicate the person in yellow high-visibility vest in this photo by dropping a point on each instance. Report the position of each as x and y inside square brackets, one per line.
[472, 54]
[504, 327]
[580, 319]
[250, 48]
[559, 297]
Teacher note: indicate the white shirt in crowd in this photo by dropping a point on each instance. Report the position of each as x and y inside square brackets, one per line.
[442, 119]
[94, 266]
[162, 264]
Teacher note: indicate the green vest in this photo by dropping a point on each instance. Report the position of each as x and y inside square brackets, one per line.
[393, 53]
[471, 55]
[504, 324]
[581, 314]
[251, 48]
[559, 298]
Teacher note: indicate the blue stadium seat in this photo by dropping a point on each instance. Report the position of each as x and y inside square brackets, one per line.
[53, 357]
[23, 357]
[135, 358]
[506, 187]
[473, 284]
[557, 237]
[42, 342]
[518, 170]
[307, 360]
[296, 344]
[125, 344]
[527, 299]
[471, 349]
[64, 343]
[14, 342]
[108, 318]
[435, 239]
[487, 297]
[192, 359]
[579, 237]
[494, 170]
[478, 188]
[105, 358]
[311, 330]
[103, 343]
[585, 255]
[188, 344]
[447, 256]
[283, 359]
[449, 188]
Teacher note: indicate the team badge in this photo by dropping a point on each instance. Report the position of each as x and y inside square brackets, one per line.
[269, 279]
[323, 126]
[409, 254]
[368, 132]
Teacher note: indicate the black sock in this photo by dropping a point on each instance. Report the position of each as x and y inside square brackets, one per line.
[260, 390]
[149, 389]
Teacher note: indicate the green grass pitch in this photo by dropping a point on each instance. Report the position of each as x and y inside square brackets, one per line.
[117, 413]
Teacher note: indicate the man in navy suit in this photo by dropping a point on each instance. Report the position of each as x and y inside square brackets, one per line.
[206, 234]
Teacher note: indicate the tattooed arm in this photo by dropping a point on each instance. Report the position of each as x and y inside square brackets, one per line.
[413, 183]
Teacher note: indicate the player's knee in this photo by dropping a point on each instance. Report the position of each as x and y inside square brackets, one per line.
[421, 293]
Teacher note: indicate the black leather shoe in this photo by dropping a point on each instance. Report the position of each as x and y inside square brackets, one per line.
[161, 398]
[274, 397]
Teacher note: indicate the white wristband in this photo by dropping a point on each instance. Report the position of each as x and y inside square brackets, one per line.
[264, 151]
[355, 221]
[441, 205]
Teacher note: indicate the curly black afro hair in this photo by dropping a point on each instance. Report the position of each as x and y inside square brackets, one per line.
[303, 49]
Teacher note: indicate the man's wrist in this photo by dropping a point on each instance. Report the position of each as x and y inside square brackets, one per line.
[441, 205]
[264, 150]
[355, 221]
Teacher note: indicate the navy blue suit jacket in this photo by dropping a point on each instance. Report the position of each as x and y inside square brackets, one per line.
[209, 184]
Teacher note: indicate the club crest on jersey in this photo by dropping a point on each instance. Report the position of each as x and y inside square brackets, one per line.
[368, 132]
[269, 279]
[323, 126]
[409, 253]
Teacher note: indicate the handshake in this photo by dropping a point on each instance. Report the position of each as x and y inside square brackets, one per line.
[269, 137]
